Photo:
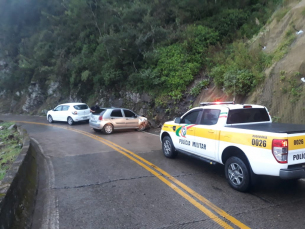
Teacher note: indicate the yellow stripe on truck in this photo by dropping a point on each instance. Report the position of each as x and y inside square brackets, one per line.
[254, 140]
[259, 141]
[297, 142]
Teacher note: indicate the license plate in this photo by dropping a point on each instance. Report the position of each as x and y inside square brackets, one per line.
[86, 117]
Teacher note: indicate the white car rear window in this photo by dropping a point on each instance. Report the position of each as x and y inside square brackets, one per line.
[81, 107]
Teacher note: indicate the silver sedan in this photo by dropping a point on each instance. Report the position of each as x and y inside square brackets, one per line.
[110, 119]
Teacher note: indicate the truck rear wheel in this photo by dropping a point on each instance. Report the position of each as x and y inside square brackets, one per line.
[237, 174]
[168, 147]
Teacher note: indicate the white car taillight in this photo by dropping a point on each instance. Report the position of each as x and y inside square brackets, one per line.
[280, 150]
[100, 118]
[74, 112]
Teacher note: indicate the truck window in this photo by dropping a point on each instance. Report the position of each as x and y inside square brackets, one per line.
[191, 117]
[209, 117]
[247, 115]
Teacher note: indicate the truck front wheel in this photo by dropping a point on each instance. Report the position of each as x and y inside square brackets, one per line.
[237, 174]
[168, 147]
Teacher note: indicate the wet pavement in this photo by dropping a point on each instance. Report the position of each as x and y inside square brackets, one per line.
[93, 180]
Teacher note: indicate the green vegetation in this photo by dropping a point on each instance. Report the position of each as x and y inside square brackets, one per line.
[303, 11]
[239, 69]
[276, 119]
[282, 49]
[281, 13]
[157, 47]
[10, 147]
[198, 87]
[292, 87]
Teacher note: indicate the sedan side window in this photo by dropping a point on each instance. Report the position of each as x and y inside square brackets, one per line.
[65, 108]
[210, 117]
[116, 113]
[191, 117]
[58, 108]
[129, 114]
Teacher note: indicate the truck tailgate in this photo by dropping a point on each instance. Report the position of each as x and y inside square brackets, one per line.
[295, 133]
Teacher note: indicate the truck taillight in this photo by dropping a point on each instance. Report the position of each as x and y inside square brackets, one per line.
[280, 150]
[100, 118]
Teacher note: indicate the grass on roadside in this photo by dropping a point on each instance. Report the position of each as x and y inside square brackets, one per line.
[10, 146]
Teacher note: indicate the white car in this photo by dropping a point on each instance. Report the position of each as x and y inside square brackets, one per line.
[69, 112]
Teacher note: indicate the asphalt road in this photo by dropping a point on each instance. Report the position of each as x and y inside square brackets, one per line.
[93, 180]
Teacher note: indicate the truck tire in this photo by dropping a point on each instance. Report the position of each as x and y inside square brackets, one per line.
[237, 174]
[168, 148]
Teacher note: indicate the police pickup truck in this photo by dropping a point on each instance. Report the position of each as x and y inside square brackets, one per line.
[242, 137]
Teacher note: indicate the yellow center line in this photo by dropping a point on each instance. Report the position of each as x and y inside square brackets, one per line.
[183, 186]
[134, 157]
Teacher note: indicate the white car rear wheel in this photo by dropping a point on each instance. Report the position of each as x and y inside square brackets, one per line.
[70, 121]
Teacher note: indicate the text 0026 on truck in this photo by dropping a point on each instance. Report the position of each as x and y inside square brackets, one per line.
[242, 137]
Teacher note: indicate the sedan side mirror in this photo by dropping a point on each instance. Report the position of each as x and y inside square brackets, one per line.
[177, 120]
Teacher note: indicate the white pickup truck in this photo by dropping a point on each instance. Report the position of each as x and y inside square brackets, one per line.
[242, 137]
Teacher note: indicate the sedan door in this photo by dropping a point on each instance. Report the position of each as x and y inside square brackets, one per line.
[56, 113]
[117, 119]
[64, 113]
[131, 119]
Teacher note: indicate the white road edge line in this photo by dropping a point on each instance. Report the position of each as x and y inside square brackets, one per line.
[151, 133]
[51, 214]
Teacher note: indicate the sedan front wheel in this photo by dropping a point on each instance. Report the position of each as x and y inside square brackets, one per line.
[50, 119]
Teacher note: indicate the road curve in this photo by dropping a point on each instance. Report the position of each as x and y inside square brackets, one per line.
[92, 180]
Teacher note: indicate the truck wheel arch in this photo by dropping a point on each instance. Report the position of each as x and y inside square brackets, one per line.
[234, 151]
[164, 134]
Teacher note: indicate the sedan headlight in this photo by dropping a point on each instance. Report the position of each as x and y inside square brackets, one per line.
[143, 119]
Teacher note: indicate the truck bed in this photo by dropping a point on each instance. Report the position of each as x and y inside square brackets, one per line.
[273, 127]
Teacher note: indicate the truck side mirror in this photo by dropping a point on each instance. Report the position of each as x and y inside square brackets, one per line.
[177, 120]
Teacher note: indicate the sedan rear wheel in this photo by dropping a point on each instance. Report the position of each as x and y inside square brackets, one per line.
[70, 121]
[108, 129]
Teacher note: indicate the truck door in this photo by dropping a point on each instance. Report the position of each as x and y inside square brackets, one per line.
[184, 132]
[206, 134]
[117, 119]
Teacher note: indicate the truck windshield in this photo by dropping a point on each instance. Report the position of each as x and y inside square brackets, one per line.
[247, 115]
